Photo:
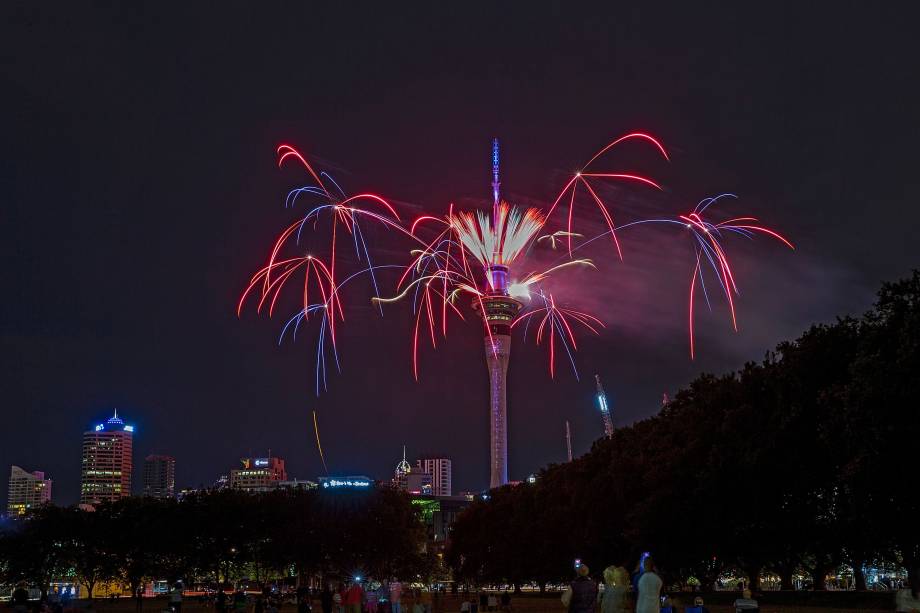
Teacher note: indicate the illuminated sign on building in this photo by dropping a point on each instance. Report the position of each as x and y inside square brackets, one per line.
[346, 483]
[113, 423]
[261, 461]
[427, 508]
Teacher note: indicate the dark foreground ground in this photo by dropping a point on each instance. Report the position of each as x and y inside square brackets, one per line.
[722, 602]
[717, 602]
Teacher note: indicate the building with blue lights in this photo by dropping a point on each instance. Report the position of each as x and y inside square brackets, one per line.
[107, 461]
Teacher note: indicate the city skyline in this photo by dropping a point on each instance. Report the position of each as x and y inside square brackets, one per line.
[140, 197]
[155, 474]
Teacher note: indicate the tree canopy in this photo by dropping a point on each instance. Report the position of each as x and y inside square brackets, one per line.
[219, 536]
[802, 461]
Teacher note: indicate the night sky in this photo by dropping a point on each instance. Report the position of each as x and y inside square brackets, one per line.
[140, 192]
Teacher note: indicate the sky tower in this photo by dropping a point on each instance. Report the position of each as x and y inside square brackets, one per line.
[499, 310]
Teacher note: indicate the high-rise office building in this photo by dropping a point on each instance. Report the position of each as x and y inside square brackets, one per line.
[258, 474]
[27, 490]
[160, 476]
[440, 471]
[107, 461]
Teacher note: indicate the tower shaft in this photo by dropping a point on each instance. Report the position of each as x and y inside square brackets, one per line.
[498, 312]
[498, 352]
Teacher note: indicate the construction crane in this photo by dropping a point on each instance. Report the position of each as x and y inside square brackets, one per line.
[605, 408]
[568, 439]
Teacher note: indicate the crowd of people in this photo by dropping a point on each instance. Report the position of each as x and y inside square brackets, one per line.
[357, 596]
[617, 591]
[639, 591]
[354, 596]
[54, 602]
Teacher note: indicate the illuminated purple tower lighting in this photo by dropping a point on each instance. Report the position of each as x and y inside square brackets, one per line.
[499, 311]
[496, 184]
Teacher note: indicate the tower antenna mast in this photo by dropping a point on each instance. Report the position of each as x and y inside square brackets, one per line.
[605, 408]
[496, 184]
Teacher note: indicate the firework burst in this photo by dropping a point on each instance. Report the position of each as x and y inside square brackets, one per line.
[708, 239]
[477, 255]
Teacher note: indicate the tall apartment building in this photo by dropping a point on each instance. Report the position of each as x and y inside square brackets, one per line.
[258, 474]
[27, 490]
[160, 476]
[440, 471]
[107, 461]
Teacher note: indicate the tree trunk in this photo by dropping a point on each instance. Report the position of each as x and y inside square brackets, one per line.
[859, 576]
[785, 578]
[708, 577]
[89, 589]
[135, 584]
[753, 573]
[818, 576]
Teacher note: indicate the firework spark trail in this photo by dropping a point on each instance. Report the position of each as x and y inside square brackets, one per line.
[552, 238]
[466, 254]
[319, 445]
[321, 307]
[707, 240]
[342, 212]
[581, 178]
[558, 319]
